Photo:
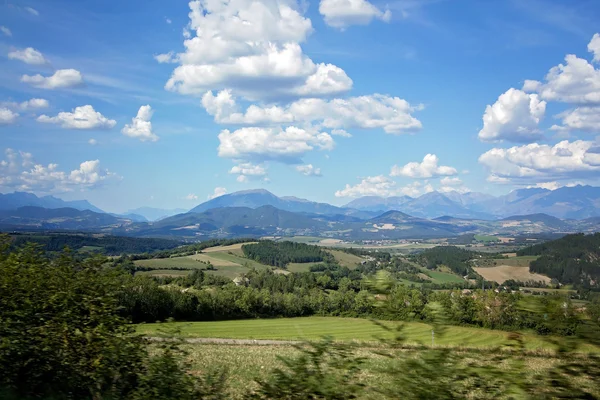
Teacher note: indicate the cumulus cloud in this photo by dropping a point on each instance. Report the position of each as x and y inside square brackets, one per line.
[541, 163]
[379, 185]
[343, 13]
[515, 116]
[31, 104]
[594, 47]
[63, 78]
[577, 81]
[308, 170]
[428, 168]
[383, 186]
[582, 119]
[260, 144]
[141, 127]
[191, 196]
[7, 117]
[246, 46]
[219, 191]
[5, 31]
[454, 184]
[340, 132]
[28, 56]
[447, 181]
[93, 142]
[84, 117]
[246, 171]
[392, 114]
[166, 58]
[19, 171]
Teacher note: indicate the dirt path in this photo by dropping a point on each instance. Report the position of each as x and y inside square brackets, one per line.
[256, 342]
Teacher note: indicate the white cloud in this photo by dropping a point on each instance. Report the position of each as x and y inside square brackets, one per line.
[191, 196]
[342, 13]
[20, 172]
[166, 58]
[383, 186]
[219, 191]
[93, 142]
[370, 186]
[582, 119]
[141, 127]
[5, 31]
[576, 81]
[308, 170]
[340, 132]
[260, 144]
[392, 114]
[452, 185]
[428, 168]
[594, 47]
[28, 56]
[30, 104]
[447, 181]
[554, 185]
[168, 21]
[246, 46]
[541, 163]
[415, 189]
[515, 117]
[7, 117]
[63, 78]
[32, 11]
[246, 171]
[84, 117]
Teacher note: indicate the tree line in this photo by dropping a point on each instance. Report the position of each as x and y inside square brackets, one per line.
[280, 254]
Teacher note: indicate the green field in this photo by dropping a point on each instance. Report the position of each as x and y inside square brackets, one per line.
[246, 363]
[343, 329]
[345, 259]
[486, 238]
[229, 262]
[442, 277]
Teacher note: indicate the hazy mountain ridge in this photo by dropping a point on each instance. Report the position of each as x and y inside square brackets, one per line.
[13, 201]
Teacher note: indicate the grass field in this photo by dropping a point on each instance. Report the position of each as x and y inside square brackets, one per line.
[234, 248]
[502, 273]
[343, 329]
[345, 259]
[442, 277]
[486, 238]
[246, 363]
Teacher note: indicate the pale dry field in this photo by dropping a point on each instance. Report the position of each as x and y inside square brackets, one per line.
[214, 261]
[234, 248]
[503, 273]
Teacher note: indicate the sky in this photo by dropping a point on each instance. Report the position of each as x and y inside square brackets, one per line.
[169, 103]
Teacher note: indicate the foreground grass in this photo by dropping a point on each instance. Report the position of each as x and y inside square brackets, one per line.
[246, 363]
[342, 329]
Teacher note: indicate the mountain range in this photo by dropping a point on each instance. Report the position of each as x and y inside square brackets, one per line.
[261, 213]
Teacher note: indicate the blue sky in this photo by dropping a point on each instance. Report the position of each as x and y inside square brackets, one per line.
[164, 104]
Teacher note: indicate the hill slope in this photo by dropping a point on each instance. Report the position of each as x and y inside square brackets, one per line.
[572, 259]
[59, 218]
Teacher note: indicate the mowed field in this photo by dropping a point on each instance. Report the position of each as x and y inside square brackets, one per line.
[502, 273]
[247, 363]
[341, 329]
[229, 261]
[517, 268]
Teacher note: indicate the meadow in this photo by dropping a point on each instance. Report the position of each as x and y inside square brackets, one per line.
[342, 329]
[247, 363]
[229, 261]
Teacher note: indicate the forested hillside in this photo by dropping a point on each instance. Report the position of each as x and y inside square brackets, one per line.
[109, 245]
[572, 259]
[279, 254]
[455, 258]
